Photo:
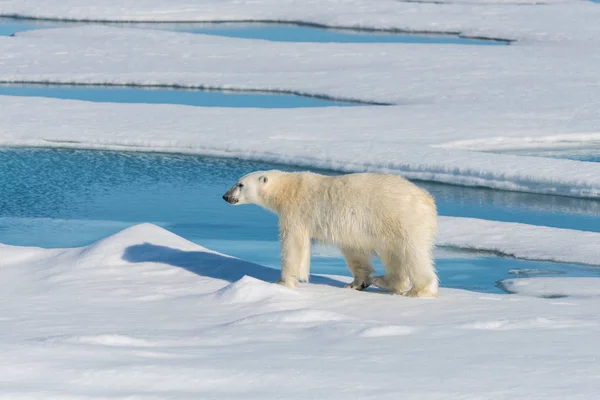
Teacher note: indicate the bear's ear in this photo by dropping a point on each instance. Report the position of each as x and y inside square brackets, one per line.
[263, 179]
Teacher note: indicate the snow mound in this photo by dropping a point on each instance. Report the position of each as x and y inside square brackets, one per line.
[15, 254]
[553, 287]
[111, 249]
[252, 290]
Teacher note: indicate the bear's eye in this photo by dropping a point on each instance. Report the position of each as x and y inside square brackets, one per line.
[240, 185]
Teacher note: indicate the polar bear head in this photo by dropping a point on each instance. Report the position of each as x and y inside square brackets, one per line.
[251, 188]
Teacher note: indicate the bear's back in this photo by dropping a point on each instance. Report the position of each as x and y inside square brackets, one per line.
[364, 207]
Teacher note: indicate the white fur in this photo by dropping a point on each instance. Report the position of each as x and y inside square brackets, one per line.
[364, 214]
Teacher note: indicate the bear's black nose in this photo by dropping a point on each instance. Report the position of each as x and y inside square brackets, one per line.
[226, 198]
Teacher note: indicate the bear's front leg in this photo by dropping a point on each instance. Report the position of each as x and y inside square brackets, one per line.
[359, 264]
[295, 255]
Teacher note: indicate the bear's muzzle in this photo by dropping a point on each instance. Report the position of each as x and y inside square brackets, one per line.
[229, 198]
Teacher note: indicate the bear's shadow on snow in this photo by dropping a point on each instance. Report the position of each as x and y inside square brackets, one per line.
[209, 264]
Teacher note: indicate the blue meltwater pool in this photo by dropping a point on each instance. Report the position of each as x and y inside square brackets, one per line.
[66, 198]
[148, 95]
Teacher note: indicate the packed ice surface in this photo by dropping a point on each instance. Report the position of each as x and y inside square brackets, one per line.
[538, 20]
[450, 101]
[520, 240]
[552, 288]
[316, 138]
[145, 314]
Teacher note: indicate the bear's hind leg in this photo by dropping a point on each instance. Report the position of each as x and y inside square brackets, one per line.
[419, 266]
[395, 280]
[360, 266]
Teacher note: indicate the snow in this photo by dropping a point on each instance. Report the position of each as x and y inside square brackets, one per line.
[305, 138]
[449, 100]
[522, 241]
[552, 288]
[536, 20]
[145, 314]
[178, 321]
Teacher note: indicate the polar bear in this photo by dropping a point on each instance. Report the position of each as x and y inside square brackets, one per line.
[364, 214]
